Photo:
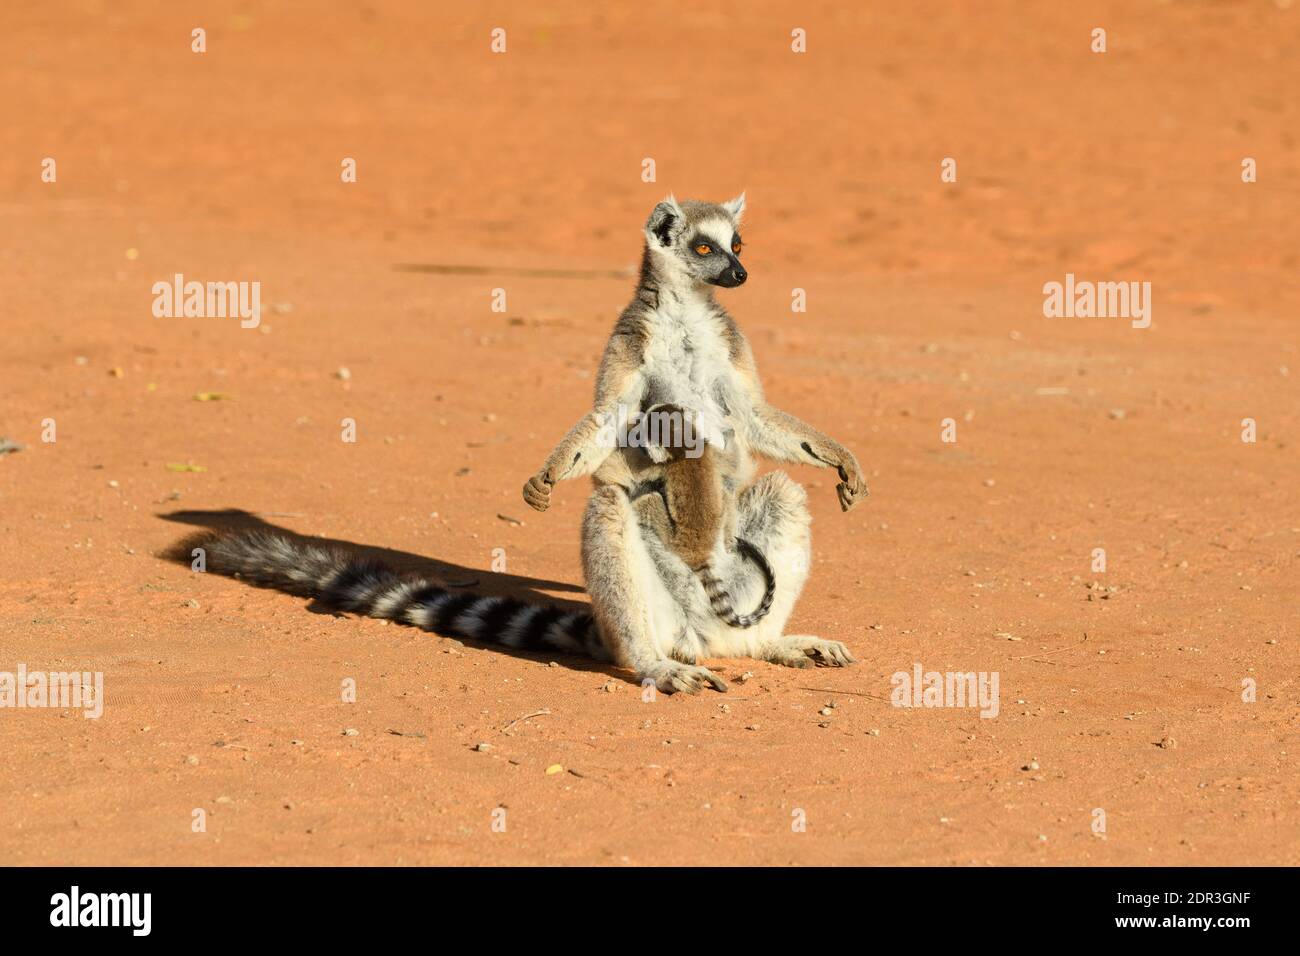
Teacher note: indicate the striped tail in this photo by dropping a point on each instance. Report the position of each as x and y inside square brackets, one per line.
[720, 600]
[365, 586]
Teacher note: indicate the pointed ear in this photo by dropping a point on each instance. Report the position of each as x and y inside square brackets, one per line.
[736, 207]
[665, 222]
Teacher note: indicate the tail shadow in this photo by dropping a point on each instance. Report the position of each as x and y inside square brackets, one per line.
[446, 574]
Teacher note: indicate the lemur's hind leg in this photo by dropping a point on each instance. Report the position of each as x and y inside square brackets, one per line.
[773, 515]
[638, 619]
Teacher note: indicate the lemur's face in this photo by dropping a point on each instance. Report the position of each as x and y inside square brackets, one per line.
[712, 254]
[699, 241]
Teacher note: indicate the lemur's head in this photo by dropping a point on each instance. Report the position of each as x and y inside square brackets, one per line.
[698, 241]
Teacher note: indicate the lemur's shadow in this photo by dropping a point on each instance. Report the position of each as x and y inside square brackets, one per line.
[444, 573]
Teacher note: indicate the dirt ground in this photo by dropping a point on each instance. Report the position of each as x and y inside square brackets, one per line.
[1120, 691]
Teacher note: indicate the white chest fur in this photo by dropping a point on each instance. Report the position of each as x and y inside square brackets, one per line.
[686, 360]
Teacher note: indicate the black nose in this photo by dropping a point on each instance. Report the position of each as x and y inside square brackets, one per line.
[739, 274]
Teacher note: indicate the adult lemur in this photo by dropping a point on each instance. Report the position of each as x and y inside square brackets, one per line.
[650, 613]
[674, 343]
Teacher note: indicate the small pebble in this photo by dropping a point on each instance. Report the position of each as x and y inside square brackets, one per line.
[483, 747]
[351, 732]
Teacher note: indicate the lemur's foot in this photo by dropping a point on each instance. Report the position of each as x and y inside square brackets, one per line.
[683, 654]
[804, 650]
[789, 658]
[671, 676]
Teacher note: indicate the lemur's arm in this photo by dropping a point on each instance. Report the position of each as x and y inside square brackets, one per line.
[593, 438]
[780, 436]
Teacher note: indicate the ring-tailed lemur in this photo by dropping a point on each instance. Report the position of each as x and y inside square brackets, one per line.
[689, 502]
[650, 613]
[674, 342]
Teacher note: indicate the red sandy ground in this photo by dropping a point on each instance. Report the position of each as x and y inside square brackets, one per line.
[924, 303]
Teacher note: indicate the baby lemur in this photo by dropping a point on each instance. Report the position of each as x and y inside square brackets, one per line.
[689, 502]
[650, 613]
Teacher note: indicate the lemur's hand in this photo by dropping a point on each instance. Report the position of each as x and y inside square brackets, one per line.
[537, 491]
[852, 486]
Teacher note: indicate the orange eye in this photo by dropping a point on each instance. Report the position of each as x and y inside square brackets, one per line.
[703, 249]
[735, 247]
